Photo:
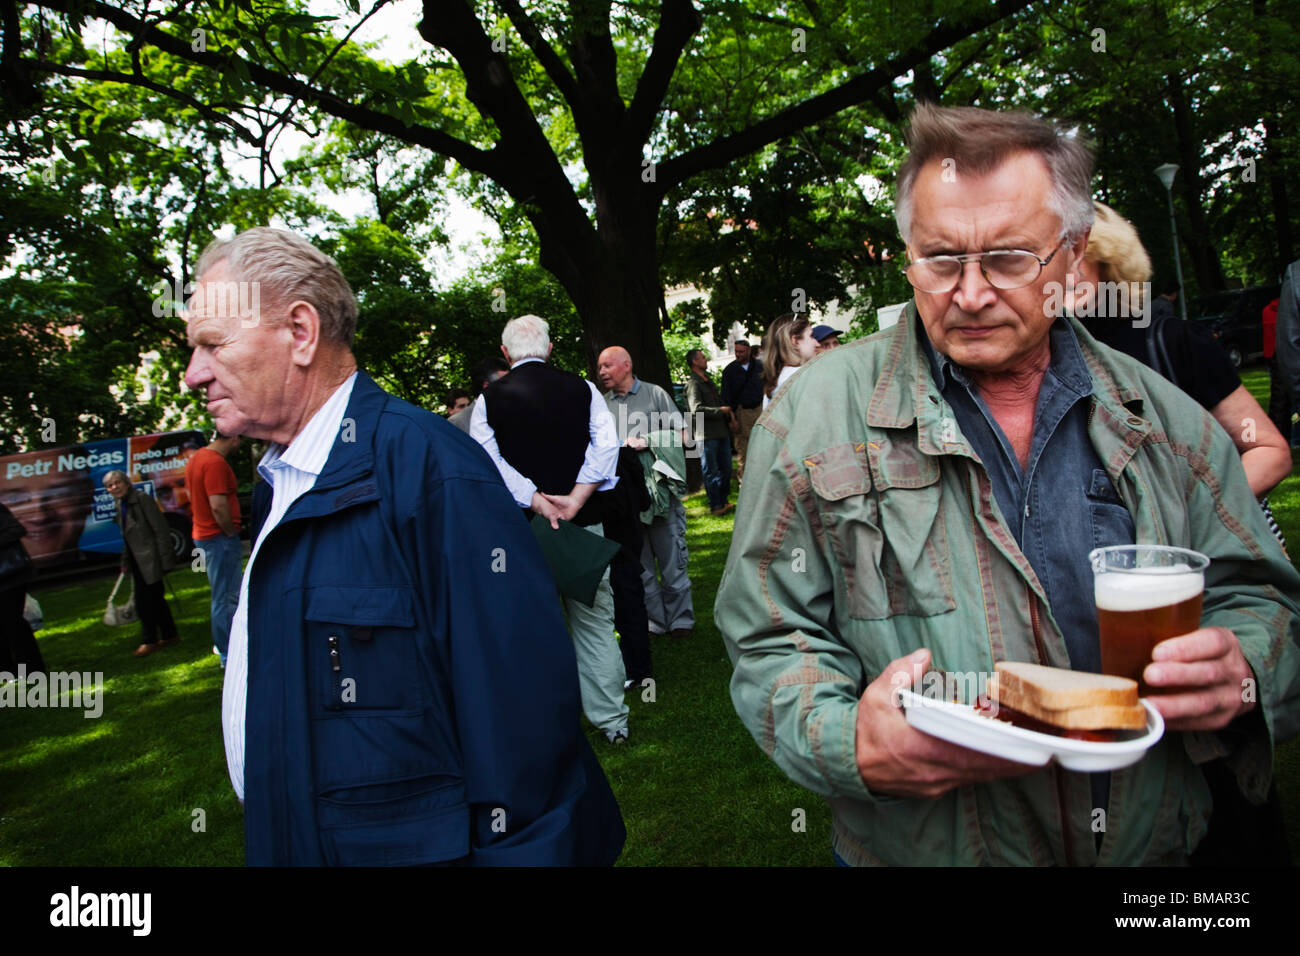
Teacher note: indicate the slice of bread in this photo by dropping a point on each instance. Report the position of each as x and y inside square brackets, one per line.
[1058, 689]
[1071, 700]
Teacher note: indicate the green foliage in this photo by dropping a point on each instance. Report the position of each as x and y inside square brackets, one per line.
[1200, 83]
[677, 344]
[690, 317]
[473, 311]
[396, 311]
[108, 187]
[795, 228]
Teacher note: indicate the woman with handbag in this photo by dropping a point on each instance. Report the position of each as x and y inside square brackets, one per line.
[147, 552]
[17, 642]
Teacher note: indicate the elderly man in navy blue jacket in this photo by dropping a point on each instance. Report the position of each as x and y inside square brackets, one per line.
[401, 688]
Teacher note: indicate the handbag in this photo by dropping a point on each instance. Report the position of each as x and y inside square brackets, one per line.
[115, 615]
[32, 612]
[16, 567]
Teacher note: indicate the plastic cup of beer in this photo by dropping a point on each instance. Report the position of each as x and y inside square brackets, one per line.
[1145, 594]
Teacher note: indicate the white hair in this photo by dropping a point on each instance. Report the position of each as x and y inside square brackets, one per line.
[527, 336]
[288, 267]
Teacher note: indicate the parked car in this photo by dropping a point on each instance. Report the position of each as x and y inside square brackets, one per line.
[1235, 319]
[58, 495]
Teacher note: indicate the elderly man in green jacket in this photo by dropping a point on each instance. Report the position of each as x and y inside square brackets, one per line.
[927, 498]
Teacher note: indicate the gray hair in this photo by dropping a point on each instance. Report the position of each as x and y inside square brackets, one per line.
[115, 473]
[287, 268]
[979, 141]
[527, 336]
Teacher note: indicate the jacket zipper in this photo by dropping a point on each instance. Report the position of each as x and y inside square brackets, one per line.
[335, 701]
[1061, 803]
[1033, 623]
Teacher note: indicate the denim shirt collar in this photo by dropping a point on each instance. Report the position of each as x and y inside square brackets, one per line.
[1067, 366]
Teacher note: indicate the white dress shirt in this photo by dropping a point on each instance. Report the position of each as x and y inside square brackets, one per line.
[290, 470]
[598, 465]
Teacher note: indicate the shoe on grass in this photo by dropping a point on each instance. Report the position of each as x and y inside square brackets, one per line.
[617, 736]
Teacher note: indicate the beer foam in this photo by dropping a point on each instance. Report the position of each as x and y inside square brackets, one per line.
[1151, 588]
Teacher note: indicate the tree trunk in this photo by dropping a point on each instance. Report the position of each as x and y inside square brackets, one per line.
[612, 272]
[618, 306]
[1274, 162]
[1205, 259]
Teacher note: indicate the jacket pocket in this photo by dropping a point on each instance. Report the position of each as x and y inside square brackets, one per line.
[362, 651]
[1111, 522]
[398, 823]
[879, 503]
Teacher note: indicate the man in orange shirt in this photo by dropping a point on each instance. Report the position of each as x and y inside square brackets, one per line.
[214, 502]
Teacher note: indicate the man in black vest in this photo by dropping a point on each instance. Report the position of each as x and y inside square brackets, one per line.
[742, 390]
[553, 440]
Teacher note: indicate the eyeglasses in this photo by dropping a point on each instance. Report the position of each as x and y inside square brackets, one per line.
[1003, 268]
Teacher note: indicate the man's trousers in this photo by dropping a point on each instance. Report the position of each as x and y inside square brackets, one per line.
[222, 558]
[715, 465]
[630, 615]
[663, 554]
[746, 417]
[600, 663]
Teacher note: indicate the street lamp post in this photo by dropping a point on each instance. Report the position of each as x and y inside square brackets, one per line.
[1166, 174]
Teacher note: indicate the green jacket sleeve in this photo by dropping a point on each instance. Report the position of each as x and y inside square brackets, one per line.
[796, 684]
[1252, 589]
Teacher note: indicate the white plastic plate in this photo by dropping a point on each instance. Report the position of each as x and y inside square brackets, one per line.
[960, 724]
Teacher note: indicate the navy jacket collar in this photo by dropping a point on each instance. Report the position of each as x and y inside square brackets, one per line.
[348, 475]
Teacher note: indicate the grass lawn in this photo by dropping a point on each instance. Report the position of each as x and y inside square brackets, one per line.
[122, 789]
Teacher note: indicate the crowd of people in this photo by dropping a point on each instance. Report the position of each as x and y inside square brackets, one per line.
[407, 660]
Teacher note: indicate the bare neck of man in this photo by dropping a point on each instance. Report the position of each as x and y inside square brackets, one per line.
[1012, 397]
[333, 371]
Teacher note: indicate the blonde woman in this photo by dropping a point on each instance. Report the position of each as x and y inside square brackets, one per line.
[147, 553]
[1109, 304]
[787, 346]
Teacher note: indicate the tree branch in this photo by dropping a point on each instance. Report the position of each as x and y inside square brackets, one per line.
[677, 170]
[15, 81]
[547, 56]
[591, 48]
[678, 22]
[320, 68]
[534, 174]
[137, 79]
[487, 162]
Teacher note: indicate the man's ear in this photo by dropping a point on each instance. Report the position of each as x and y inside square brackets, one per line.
[549, 347]
[1077, 249]
[507, 355]
[304, 326]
